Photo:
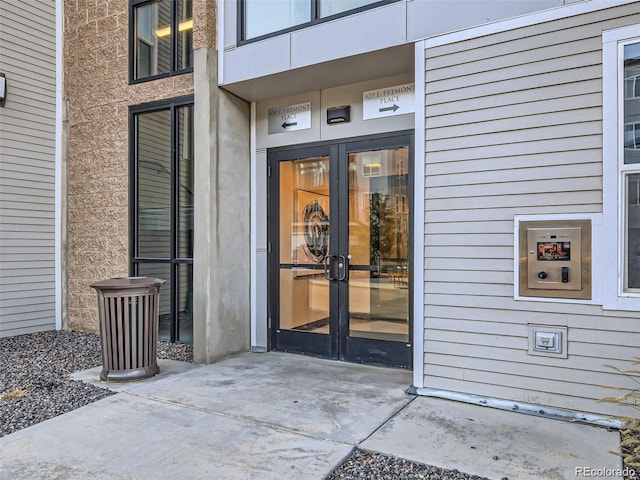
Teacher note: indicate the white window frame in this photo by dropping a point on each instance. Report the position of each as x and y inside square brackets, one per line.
[614, 170]
[636, 126]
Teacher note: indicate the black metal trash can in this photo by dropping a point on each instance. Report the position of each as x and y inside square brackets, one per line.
[129, 308]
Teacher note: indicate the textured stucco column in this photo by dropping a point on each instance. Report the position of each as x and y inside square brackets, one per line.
[221, 216]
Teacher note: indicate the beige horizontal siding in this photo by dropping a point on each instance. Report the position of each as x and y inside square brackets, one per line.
[527, 199]
[507, 304]
[513, 101]
[544, 146]
[481, 215]
[522, 391]
[514, 127]
[541, 161]
[518, 174]
[27, 170]
[515, 112]
[567, 78]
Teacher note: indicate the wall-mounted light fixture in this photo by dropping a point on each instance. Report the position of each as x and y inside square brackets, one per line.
[338, 114]
[3, 89]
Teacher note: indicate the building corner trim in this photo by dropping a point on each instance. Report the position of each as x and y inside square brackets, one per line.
[59, 171]
[419, 216]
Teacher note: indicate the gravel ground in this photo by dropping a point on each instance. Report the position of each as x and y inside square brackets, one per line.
[35, 386]
[34, 375]
[375, 466]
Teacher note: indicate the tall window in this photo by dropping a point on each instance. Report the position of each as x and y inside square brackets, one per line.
[630, 167]
[156, 49]
[162, 210]
[265, 17]
[621, 84]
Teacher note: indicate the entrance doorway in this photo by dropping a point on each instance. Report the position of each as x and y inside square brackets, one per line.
[339, 238]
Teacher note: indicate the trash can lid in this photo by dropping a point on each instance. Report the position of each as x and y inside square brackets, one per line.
[132, 282]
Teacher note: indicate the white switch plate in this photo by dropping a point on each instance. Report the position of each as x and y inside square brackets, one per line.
[548, 341]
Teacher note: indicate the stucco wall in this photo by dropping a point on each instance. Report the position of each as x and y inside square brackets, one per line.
[98, 96]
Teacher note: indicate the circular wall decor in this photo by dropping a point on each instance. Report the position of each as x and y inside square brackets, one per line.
[316, 231]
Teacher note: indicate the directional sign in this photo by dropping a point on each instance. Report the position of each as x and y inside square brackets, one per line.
[290, 118]
[389, 101]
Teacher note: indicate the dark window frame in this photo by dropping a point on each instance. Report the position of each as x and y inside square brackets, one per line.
[174, 261]
[315, 19]
[173, 70]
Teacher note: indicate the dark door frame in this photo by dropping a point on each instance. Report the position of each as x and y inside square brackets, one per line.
[335, 345]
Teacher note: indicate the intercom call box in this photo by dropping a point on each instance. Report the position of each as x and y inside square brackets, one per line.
[550, 263]
[555, 259]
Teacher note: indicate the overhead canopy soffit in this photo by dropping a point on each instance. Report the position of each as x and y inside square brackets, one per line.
[343, 71]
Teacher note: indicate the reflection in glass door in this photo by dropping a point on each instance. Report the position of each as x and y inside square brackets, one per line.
[303, 307]
[339, 238]
[379, 245]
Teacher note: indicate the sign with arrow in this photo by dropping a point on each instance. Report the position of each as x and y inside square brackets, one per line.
[290, 118]
[388, 101]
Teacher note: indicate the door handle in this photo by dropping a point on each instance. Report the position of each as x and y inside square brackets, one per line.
[342, 266]
[327, 267]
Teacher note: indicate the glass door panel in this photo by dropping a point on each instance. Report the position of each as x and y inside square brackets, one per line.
[379, 245]
[304, 245]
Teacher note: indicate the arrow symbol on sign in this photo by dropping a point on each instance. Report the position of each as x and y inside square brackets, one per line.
[285, 124]
[388, 109]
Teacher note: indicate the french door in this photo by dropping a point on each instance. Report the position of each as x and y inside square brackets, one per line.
[339, 217]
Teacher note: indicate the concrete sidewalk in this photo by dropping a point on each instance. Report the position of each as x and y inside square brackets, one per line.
[282, 416]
